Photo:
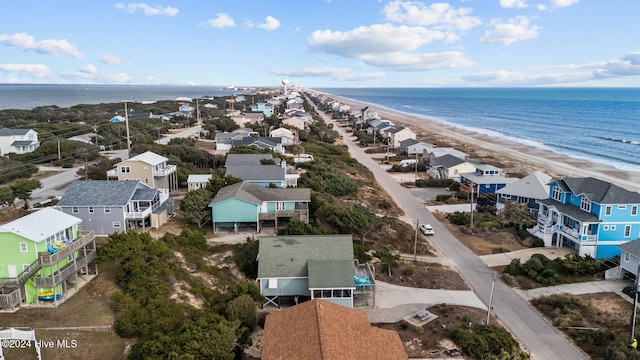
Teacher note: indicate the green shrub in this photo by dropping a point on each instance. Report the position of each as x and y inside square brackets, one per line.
[443, 197]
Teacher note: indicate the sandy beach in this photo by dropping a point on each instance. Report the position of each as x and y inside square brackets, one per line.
[513, 155]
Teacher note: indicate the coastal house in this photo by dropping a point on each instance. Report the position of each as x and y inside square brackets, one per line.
[288, 137]
[450, 167]
[307, 266]
[435, 152]
[397, 134]
[297, 119]
[224, 140]
[107, 206]
[44, 258]
[18, 141]
[629, 260]
[486, 179]
[526, 192]
[259, 169]
[589, 215]
[413, 147]
[244, 203]
[151, 169]
[321, 330]
[266, 143]
[197, 181]
[266, 108]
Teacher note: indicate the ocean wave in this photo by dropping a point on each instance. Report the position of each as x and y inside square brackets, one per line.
[632, 142]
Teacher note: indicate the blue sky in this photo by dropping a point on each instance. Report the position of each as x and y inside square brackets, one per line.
[322, 43]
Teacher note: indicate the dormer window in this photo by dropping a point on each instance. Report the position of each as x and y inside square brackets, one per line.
[556, 194]
[585, 204]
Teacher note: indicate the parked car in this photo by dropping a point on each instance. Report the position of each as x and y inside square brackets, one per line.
[426, 229]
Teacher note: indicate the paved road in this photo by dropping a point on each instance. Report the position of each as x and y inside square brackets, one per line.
[54, 185]
[541, 339]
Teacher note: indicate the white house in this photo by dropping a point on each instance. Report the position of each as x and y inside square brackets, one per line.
[19, 141]
[450, 167]
[288, 137]
[197, 181]
[397, 135]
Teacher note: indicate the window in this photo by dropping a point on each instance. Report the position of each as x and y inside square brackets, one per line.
[90, 209]
[280, 205]
[585, 204]
[627, 230]
[487, 186]
[622, 207]
[75, 210]
[107, 210]
[116, 225]
[146, 181]
[607, 210]
[627, 258]
[146, 168]
[25, 267]
[24, 247]
[556, 194]
[613, 227]
[125, 169]
[634, 210]
[605, 227]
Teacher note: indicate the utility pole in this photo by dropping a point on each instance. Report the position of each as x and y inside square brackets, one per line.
[126, 121]
[416, 181]
[415, 242]
[493, 284]
[471, 205]
[635, 306]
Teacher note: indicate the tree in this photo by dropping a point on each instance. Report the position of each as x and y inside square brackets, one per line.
[98, 170]
[389, 260]
[195, 206]
[246, 257]
[7, 196]
[243, 308]
[359, 220]
[23, 188]
[217, 182]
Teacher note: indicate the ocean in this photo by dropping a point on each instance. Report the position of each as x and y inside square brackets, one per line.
[29, 96]
[598, 124]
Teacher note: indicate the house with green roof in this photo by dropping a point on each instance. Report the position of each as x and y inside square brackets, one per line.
[248, 204]
[108, 206]
[44, 256]
[307, 267]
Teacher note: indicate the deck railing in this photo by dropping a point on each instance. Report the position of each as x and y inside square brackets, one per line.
[10, 300]
[64, 273]
[83, 239]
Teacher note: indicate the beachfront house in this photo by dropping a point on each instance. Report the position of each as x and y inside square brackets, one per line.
[288, 137]
[44, 258]
[108, 206]
[397, 134]
[307, 266]
[450, 167]
[151, 169]
[247, 204]
[429, 154]
[319, 329]
[18, 141]
[525, 192]
[486, 179]
[589, 215]
[414, 147]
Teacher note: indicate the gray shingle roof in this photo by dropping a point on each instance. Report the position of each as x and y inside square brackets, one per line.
[533, 186]
[99, 193]
[446, 161]
[600, 192]
[287, 256]
[572, 211]
[22, 142]
[257, 172]
[326, 274]
[409, 142]
[12, 132]
[258, 194]
[144, 193]
[632, 247]
[246, 159]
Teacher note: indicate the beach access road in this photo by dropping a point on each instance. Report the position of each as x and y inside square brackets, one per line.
[538, 336]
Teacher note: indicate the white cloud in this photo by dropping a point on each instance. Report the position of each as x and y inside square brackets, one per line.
[514, 78]
[419, 62]
[437, 15]
[564, 3]
[147, 10]
[332, 72]
[270, 23]
[374, 39]
[513, 3]
[89, 69]
[516, 29]
[33, 70]
[221, 20]
[111, 59]
[628, 65]
[25, 41]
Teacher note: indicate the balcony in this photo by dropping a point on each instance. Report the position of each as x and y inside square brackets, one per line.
[138, 215]
[84, 238]
[570, 232]
[64, 273]
[296, 214]
[169, 169]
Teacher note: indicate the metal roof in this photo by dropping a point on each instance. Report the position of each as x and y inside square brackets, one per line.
[41, 224]
[258, 194]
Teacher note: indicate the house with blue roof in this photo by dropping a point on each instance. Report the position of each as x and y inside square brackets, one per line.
[589, 215]
[486, 179]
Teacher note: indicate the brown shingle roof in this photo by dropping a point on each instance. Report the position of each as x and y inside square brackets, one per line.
[320, 330]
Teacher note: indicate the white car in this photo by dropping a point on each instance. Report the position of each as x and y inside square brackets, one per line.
[426, 229]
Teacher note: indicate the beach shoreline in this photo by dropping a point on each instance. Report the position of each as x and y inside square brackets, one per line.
[526, 158]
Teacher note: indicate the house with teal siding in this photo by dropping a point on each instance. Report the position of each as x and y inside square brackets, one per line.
[302, 267]
[589, 215]
[44, 257]
[247, 204]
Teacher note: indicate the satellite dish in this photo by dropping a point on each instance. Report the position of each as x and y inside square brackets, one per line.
[285, 82]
